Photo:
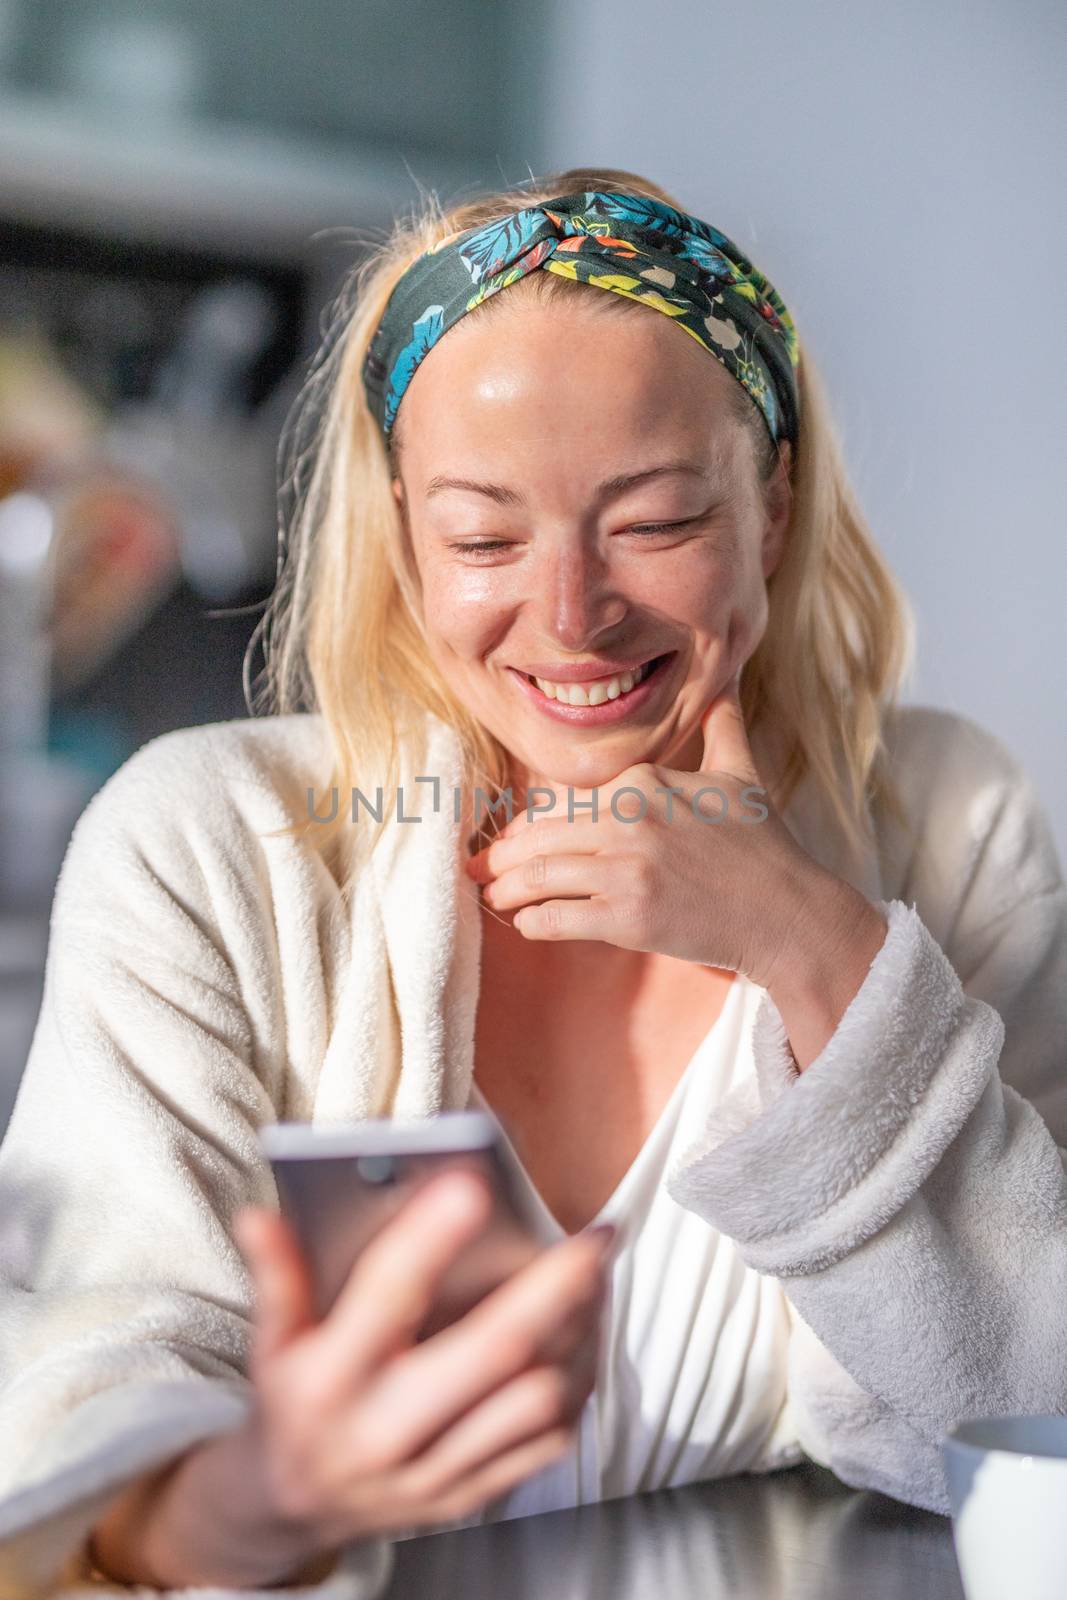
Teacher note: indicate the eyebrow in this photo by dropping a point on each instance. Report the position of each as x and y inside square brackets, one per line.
[503, 496]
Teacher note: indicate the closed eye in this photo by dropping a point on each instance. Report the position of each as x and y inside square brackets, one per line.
[484, 544]
[642, 529]
[645, 528]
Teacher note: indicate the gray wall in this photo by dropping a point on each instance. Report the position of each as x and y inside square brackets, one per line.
[897, 170]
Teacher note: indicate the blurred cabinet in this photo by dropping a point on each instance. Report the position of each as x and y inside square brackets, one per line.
[183, 186]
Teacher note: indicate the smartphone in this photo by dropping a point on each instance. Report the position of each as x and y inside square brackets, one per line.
[339, 1186]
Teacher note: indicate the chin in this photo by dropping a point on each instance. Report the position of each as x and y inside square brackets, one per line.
[575, 770]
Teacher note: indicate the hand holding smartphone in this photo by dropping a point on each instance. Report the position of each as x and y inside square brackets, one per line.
[454, 1358]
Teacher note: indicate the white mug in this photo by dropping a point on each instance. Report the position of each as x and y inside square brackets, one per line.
[1007, 1483]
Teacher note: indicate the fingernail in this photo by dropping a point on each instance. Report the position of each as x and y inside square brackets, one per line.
[604, 1233]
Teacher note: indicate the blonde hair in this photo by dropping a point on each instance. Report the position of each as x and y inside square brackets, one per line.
[341, 632]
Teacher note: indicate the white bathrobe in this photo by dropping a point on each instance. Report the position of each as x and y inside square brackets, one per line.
[908, 1190]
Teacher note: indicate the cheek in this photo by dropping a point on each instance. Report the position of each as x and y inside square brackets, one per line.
[725, 601]
[748, 621]
[712, 592]
[461, 610]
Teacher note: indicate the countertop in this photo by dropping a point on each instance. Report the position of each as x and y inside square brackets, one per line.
[796, 1534]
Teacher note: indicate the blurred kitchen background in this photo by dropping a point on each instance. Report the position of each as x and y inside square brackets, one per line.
[184, 184]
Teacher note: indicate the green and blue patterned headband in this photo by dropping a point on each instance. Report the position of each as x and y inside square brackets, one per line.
[630, 245]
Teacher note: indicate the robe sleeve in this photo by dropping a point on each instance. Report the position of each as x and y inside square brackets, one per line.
[125, 1305]
[908, 1189]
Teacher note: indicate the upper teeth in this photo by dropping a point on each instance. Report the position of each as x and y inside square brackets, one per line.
[595, 692]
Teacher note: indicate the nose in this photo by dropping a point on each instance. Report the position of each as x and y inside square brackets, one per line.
[578, 600]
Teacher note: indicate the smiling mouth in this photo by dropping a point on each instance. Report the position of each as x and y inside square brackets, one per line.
[597, 691]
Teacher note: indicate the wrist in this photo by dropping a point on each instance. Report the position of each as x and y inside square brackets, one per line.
[212, 1522]
[832, 940]
[824, 965]
[224, 1511]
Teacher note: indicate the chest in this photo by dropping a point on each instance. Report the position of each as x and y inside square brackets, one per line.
[578, 1060]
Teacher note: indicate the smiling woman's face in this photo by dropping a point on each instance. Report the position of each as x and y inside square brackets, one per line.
[549, 569]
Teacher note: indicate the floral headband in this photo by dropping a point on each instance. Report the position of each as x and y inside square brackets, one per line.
[630, 245]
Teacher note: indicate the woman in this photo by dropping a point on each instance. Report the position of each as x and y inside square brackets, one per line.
[786, 1009]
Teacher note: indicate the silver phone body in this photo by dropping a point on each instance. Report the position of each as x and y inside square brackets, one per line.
[339, 1186]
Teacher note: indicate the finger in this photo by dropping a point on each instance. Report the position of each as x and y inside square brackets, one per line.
[284, 1300]
[576, 1333]
[505, 1333]
[571, 919]
[538, 1401]
[726, 745]
[503, 1474]
[515, 823]
[541, 877]
[545, 809]
[392, 1286]
[556, 836]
